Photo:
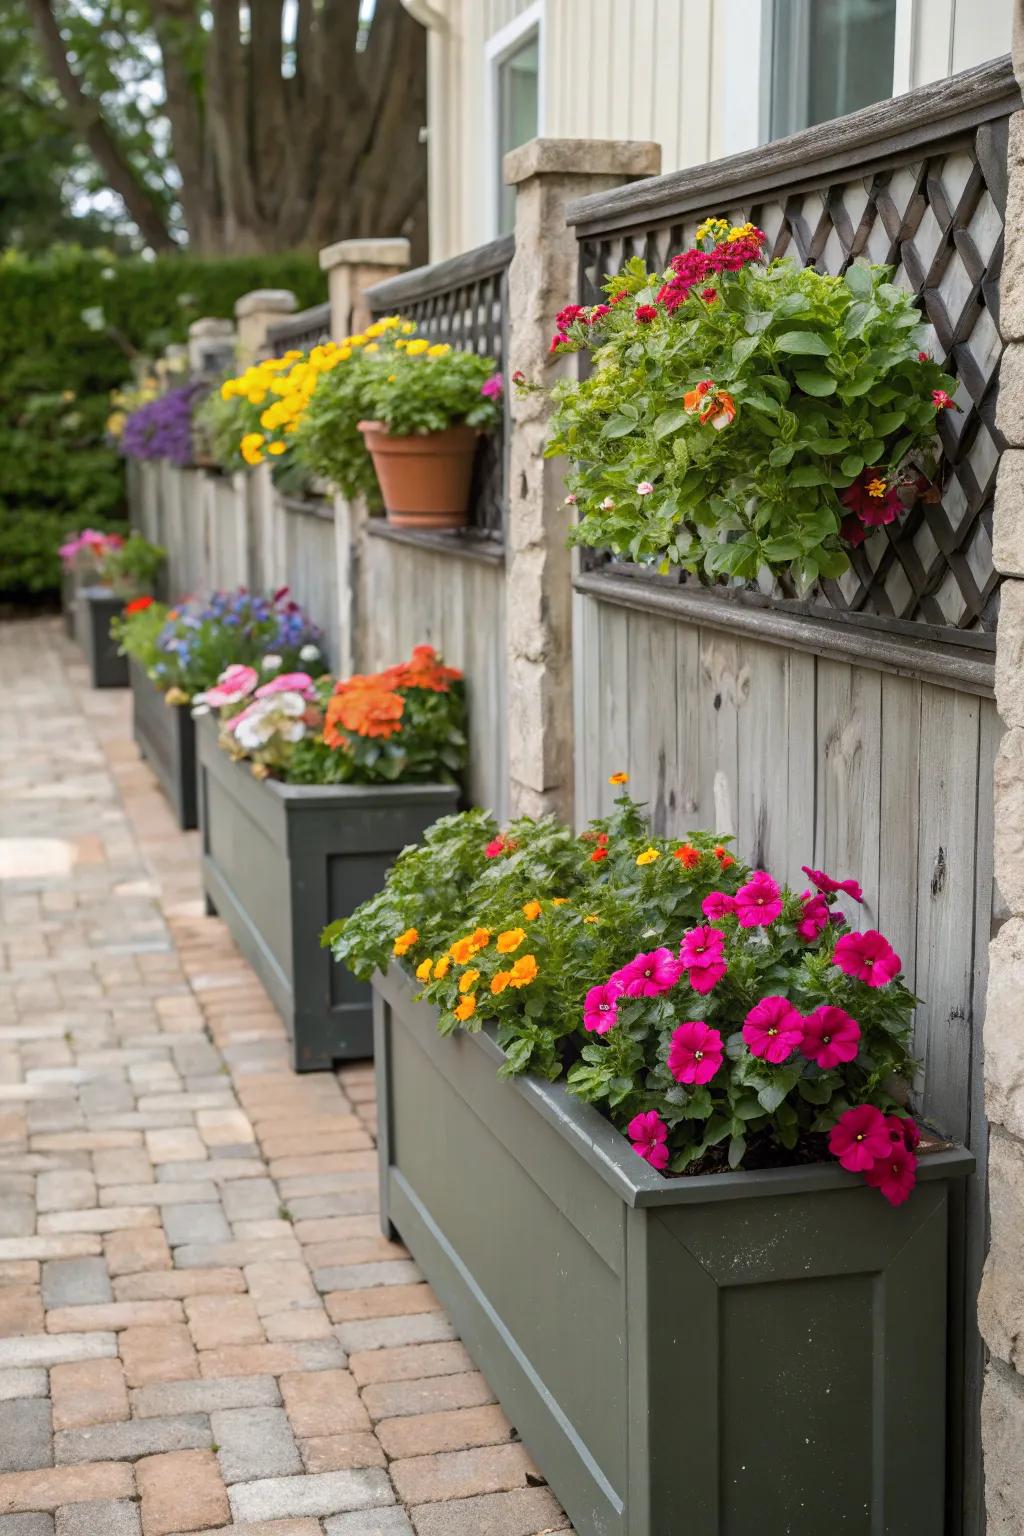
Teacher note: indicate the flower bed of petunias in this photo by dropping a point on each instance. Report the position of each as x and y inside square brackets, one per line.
[718, 1018]
[185, 649]
[85, 551]
[162, 428]
[406, 724]
[744, 415]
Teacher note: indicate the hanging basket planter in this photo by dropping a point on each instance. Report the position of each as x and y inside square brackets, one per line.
[424, 478]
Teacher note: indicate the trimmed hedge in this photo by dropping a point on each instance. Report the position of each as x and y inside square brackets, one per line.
[57, 371]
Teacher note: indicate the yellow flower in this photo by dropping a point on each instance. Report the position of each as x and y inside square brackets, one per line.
[466, 1008]
[418, 347]
[356, 341]
[344, 353]
[524, 971]
[619, 778]
[392, 377]
[648, 856]
[115, 423]
[711, 227]
[277, 448]
[442, 967]
[372, 346]
[408, 327]
[480, 938]
[227, 389]
[423, 970]
[531, 910]
[439, 349]
[375, 330]
[591, 917]
[175, 696]
[499, 981]
[559, 901]
[389, 322]
[406, 940]
[400, 345]
[467, 979]
[67, 396]
[256, 396]
[510, 940]
[462, 950]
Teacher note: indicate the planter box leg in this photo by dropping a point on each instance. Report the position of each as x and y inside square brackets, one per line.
[211, 910]
[381, 1023]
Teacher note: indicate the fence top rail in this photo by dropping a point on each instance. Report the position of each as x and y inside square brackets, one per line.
[300, 326]
[443, 277]
[922, 117]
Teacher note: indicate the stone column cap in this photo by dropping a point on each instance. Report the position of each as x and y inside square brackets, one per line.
[273, 301]
[208, 325]
[394, 251]
[582, 157]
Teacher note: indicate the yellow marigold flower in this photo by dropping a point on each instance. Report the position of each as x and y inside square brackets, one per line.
[392, 377]
[711, 227]
[371, 346]
[390, 321]
[406, 940]
[467, 979]
[619, 778]
[591, 917]
[418, 347]
[277, 448]
[559, 901]
[400, 345]
[510, 940]
[442, 967]
[408, 327]
[439, 349]
[227, 389]
[115, 423]
[524, 971]
[466, 1008]
[423, 970]
[256, 396]
[648, 856]
[375, 330]
[532, 910]
[356, 341]
[462, 950]
[499, 981]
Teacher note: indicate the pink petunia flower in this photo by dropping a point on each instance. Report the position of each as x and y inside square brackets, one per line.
[830, 1036]
[648, 975]
[773, 1029]
[718, 905]
[495, 848]
[706, 978]
[289, 682]
[649, 1133]
[599, 1006]
[942, 401]
[814, 918]
[868, 957]
[233, 685]
[859, 1138]
[904, 1130]
[895, 1174]
[558, 340]
[759, 902]
[826, 883]
[493, 388]
[694, 1053]
[701, 947]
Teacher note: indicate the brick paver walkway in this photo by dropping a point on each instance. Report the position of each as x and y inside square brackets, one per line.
[201, 1327]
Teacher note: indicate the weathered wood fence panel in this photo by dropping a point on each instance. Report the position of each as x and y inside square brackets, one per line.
[309, 562]
[225, 512]
[182, 500]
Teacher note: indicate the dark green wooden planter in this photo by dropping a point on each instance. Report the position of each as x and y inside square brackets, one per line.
[752, 1354]
[68, 598]
[94, 609]
[166, 737]
[280, 861]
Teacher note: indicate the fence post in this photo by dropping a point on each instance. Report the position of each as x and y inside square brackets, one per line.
[211, 346]
[547, 174]
[353, 266]
[1000, 1302]
[255, 313]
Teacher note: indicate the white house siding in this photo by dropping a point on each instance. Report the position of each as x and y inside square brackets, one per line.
[683, 72]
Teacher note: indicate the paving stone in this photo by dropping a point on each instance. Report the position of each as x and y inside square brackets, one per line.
[174, 1397]
[254, 1443]
[26, 1381]
[157, 1354]
[185, 1193]
[26, 1525]
[409, 1362]
[390, 1332]
[393, 1399]
[425, 1434]
[75, 1282]
[88, 1392]
[51, 1487]
[103, 1517]
[220, 1320]
[280, 1286]
[181, 1491]
[372, 1522]
[21, 1310]
[299, 1325]
[221, 1171]
[272, 1359]
[100, 1219]
[269, 1528]
[74, 1189]
[113, 1315]
[251, 1199]
[323, 1403]
[178, 1283]
[68, 1245]
[41, 1349]
[235, 1254]
[461, 1474]
[175, 1146]
[521, 1513]
[127, 1166]
[338, 1453]
[130, 1440]
[199, 1223]
[128, 1253]
[26, 1435]
[326, 1494]
[356, 1277]
[380, 1301]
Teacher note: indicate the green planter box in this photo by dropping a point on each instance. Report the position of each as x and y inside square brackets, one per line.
[68, 598]
[733, 1355]
[94, 609]
[166, 737]
[280, 861]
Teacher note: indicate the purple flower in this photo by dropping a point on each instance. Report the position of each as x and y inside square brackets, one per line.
[162, 428]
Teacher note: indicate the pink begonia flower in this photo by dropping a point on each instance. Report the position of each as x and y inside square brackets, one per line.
[701, 948]
[649, 1133]
[867, 956]
[599, 1006]
[649, 975]
[773, 1029]
[289, 682]
[704, 979]
[815, 916]
[718, 905]
[694, 1053]
[895, 1174]
[234, 684]
[830, 1036]
[826, 883]
[859, 1138]
[759, 902]
[645, 488]
[282, 715]
[493, 388]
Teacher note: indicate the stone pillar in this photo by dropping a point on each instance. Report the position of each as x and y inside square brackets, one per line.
[1001, 1301]
[547, 175]
[211, 346]
[255, 313]
[352, 266]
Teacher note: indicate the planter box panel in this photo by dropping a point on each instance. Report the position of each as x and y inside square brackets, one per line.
[68, 599]
[166, 737]
[94, 609]
[714, 1355]
[252, 871]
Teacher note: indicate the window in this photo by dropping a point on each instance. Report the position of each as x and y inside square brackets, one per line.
[516, 96]
[827, 58]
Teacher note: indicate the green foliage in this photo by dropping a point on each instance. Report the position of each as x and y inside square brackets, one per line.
[29, 539]
[134, 567]
[328, 440]
[429, 390]
[138, 635]
[219, 425]
[825, 381]
[71, 325]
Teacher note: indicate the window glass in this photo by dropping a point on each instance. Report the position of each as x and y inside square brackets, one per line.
[517, 92]
[828, 57]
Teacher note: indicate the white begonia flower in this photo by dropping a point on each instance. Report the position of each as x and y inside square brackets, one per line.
[309, 652]
[271, 663]
[199, 709]
[607, 504]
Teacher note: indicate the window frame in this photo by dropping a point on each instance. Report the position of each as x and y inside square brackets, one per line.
[497, 49]
[900, 64]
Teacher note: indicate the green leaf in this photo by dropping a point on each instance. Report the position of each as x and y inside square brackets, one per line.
[669, 422]
[852, 465]
[859, 280]
[813, 383]
[781, 454]
[832, 563]
[785, 548]
[808, 474]
[737, 1147]
[771, 1096]
[803, 342]
[743, 349]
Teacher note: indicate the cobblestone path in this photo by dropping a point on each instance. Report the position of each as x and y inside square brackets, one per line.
[201, 1327]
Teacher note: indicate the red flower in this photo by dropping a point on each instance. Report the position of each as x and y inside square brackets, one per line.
[617, 298]
[597, 313]
[872, 499]
[598, 854]
[519, 377]
[645, 313]
[495, 847]
[868, 957]
[718, 905]
[138, 605]
[830, 1037]
[895, 1174]
[759, 902]
[859, 1138]
[566, 316]
[923, 357]
[705, 979]
[826, 883]
[904, 1130]
[852, 530]
[773, 1029]
[709, 295]
[558, 340]
[943, 402]
[687, 855]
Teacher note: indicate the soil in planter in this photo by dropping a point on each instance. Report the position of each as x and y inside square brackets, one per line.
[763, 1151]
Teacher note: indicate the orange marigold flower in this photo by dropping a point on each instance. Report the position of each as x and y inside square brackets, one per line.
[598, 854]
[524, 971]
[510, 940]
[423, 970]
[559, 901]
[619, 778]
[442, 967]
[466, 1008]
[462, 950]
[138, 605]
[499, 981]
[406, 940]
[725, 859]
[480, 938]
[422, 670]
[687, 855]
[467, 979]
[591, 917]
[368, 712]
[531, 910]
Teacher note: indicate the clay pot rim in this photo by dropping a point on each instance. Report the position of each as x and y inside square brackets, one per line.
[381, 429]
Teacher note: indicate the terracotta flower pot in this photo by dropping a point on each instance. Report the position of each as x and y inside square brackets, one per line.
[424, 480]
